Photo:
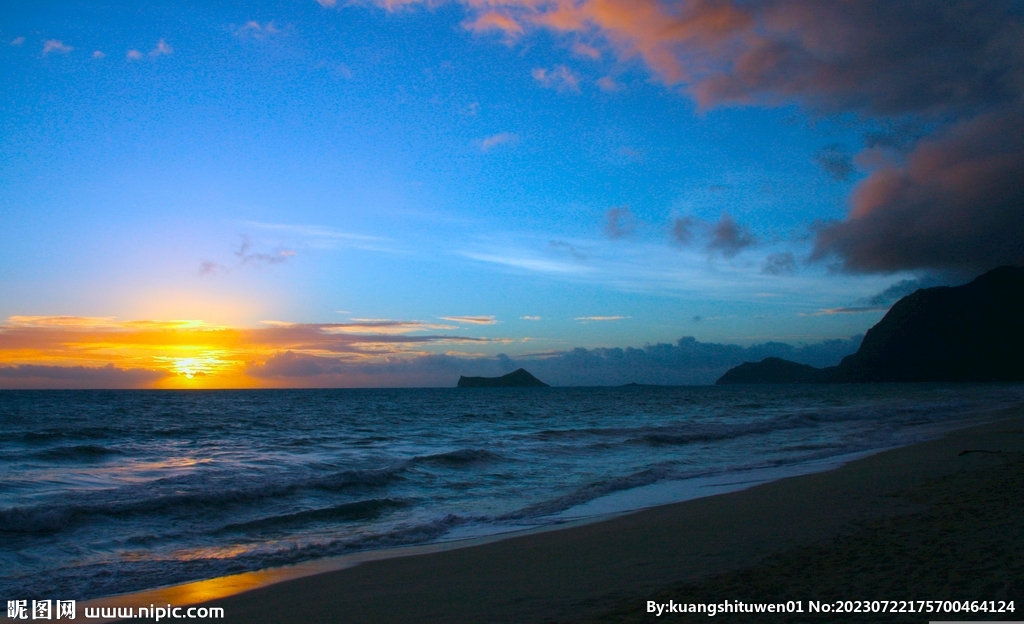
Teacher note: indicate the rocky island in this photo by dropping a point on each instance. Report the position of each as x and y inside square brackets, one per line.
[516, 379]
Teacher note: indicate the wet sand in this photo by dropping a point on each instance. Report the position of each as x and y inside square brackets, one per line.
[940, 520]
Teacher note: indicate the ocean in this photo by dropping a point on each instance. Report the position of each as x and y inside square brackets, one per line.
[107, 492]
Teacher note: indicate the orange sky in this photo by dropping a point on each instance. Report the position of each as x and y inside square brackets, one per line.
[193, 354]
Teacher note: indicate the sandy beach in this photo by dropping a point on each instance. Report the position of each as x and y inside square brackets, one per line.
[940, 520]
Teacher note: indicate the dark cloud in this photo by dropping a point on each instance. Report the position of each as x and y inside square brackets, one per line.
[106, 377]
[779, 264]
[874, 56]
[247, 256]
[621, 222]
[729, 238]
[836, 161]
[902, 288]
[682, 230]
[208, 267]
[572, 250]
[956, 203]
[290, 364]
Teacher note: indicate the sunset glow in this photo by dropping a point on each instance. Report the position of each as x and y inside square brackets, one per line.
[396, 192]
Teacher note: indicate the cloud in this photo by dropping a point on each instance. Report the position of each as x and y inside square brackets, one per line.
[849, 310]
[257, 30]
[903, 288]
[620, 222]
[587, 319]
[161, 49]
[955, 69]
[209, 267]
[106, 377]
[133, 55]
[779, 264]
[247, 256]
[836, 161]
[181, 353]
[562, 246]
[327, 4]
[559, 78]
[609, 84]
[471, 320]
[17, 41]
[502, 138]
[954, 204]
[495, 21]
[291, 364]
[97, 54]
[530, 318]
[584, 50]
[53, 45]
[682, 230]
[729, 238]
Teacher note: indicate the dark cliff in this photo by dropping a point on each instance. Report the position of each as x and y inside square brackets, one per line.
[973, 332]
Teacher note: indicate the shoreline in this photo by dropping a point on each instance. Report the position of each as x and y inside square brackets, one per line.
[595, 561]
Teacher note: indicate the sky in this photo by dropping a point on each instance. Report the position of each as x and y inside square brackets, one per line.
[394, 192]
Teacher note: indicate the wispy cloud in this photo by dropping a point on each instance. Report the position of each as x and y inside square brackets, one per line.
[133, 55]
[530, 318]
[17, 41]
[502, 138]
[323, 237]
[98, 54]
[257, 30]
[584, 50]
[609, 84]
[847, 310]
[247, 256]
[528, 261]
[53, 45]
[587, 319]
[559, 78]
[471, 320]
[161, 49]
[491, 21]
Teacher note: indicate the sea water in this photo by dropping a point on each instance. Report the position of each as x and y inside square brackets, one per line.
[106, 492]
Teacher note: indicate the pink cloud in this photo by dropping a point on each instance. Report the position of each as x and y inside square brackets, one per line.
[559, 78]
[53, 45]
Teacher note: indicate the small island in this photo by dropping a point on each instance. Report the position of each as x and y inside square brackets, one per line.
[517, 379]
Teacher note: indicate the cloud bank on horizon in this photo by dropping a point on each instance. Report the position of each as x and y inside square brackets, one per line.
[77, 352]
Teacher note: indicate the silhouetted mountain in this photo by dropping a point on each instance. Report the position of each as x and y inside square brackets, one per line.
[973, 332]
[517, 379]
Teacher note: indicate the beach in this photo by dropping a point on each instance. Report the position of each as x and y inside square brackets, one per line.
[937, 520]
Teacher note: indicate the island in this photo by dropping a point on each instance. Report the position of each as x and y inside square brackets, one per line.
[968, 333]
[516, 379]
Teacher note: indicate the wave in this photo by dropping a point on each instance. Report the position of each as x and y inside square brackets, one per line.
[461, 457]
[347, 512]
[166, 496]
[79, 452]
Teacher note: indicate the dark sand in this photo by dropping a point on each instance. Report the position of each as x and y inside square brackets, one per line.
[924, 522]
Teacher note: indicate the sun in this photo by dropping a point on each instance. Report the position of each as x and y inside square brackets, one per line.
[195, 366]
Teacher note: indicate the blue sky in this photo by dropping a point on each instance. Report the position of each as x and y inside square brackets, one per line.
[302, 163]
